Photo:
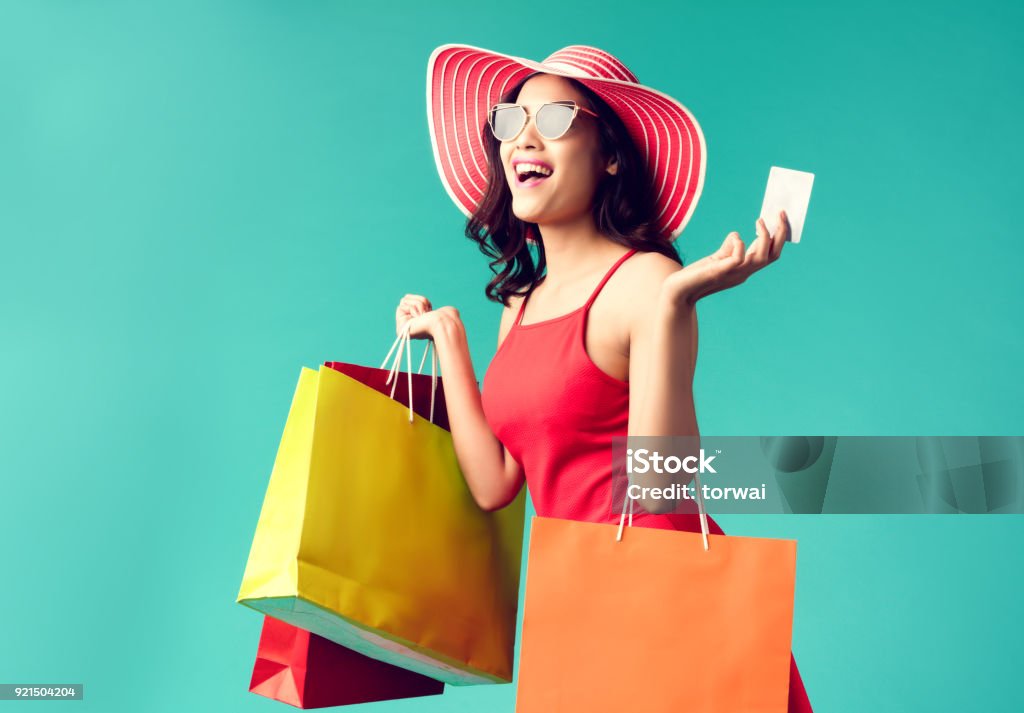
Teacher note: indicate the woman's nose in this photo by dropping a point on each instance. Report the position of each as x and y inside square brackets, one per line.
[528, 137]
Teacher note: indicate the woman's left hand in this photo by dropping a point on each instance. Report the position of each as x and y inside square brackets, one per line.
[729, 266]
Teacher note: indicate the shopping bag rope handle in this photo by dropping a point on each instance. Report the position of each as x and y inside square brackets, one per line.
[403, 341]
[627, 503]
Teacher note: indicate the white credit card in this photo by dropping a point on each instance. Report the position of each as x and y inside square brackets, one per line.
[790, 191]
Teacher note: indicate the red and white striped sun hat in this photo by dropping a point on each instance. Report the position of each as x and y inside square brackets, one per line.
[464, 82]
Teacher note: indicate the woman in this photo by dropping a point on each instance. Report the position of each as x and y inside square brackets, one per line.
[598, 337]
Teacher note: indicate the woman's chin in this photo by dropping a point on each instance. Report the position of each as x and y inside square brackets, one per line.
[533, 208]
[527, 215]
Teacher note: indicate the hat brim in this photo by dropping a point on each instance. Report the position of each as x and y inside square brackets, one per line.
[464, 82]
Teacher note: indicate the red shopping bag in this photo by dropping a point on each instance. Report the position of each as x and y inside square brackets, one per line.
[308, 671]
[424, 389]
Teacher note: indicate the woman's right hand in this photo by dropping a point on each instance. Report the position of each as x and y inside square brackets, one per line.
[418, 313]
[493, 476]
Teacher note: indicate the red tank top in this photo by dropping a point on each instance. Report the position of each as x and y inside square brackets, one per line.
[557, 412]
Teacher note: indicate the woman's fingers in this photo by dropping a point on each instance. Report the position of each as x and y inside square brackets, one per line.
[782, 232]
[723, 262]
[410, 307]
[415, 326]
[728, 247]
[415, 304]
[415, 323]
[758, 254]
[734, 249]
[778, 241]
[767, 248]
[776, 247]
[732, 263]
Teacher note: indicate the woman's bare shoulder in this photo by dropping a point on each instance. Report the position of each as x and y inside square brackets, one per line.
[643, 274]
[637, 288]
[647, 266]
[510, 310]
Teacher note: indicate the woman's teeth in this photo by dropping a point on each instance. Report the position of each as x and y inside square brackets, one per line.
[529, 171]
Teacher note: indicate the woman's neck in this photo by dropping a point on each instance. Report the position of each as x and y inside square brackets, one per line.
[574, 251]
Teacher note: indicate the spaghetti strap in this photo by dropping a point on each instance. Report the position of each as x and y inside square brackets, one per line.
[522, 306]
[585, 308]
[611, 271]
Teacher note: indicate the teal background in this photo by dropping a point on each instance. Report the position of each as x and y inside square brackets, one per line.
[199, 198]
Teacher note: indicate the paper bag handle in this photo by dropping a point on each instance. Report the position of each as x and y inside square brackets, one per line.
[403, 341]
[627, 502]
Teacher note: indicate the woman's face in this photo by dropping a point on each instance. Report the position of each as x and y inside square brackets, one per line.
[574, 159]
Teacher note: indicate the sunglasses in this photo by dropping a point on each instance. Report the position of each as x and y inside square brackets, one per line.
[552, 120]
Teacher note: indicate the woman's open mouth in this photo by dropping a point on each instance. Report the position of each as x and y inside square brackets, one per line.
[531, 174]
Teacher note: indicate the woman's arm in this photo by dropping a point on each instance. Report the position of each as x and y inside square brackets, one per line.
[662, 360]
[663, 344]
[493, 476]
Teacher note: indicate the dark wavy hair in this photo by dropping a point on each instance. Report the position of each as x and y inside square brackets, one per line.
[623, 207]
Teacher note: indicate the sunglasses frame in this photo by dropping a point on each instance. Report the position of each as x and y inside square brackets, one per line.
[568, 102]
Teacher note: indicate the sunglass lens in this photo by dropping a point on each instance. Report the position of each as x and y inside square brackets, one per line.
[553, 120]
[506, 122]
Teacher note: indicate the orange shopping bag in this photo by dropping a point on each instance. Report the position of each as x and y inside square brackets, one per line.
[662, 621]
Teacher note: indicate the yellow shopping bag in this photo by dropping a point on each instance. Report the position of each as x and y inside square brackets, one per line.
[369, 536]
